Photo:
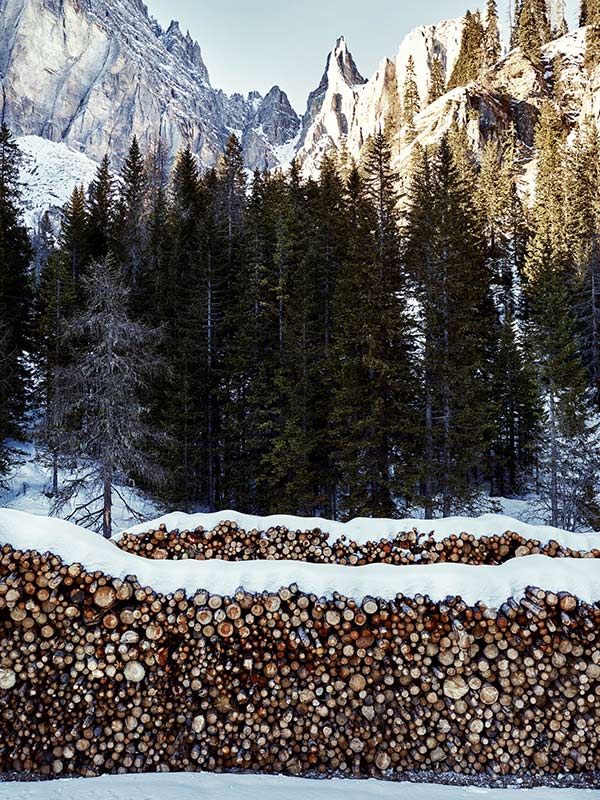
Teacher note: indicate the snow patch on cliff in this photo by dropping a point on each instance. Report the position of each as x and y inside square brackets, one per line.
[49, 173]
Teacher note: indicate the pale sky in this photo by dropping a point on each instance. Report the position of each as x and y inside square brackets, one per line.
[254, 44]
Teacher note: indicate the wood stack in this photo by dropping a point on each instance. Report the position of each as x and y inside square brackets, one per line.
[227, 542]
[99, 675]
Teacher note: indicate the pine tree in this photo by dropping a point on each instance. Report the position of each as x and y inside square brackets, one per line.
[101, 210]
[130, 232]
[411, 104]
[444, 251]
[437, 83]
[101, 415]
[15, 289]
[470, 59]
[491, 40]
[373, 410]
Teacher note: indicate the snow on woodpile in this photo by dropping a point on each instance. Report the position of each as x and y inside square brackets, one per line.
[363, 530]
[491, 585]
[227, 541]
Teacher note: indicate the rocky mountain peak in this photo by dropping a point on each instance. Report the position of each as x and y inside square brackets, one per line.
[341, 65]
[185, 48]
[271, 134]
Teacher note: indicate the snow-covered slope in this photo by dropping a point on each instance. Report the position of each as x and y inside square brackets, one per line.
[263, 787]
[49, 173]
[489, 585]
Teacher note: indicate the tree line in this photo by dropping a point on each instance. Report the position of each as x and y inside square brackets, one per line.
[354, 345]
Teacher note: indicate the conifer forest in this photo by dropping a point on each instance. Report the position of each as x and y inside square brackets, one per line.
[361, 343]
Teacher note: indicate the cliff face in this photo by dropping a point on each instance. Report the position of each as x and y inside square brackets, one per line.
[92, 73]
[510, 94]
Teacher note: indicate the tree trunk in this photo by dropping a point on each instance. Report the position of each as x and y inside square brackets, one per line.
[107, 502]
[553, 458]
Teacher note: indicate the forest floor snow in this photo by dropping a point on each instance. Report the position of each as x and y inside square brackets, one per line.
[29, 482]
[187, 786]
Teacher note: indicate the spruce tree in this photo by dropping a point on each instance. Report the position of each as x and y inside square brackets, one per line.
[375, 348]
[514, 388]
[56, 304]
[590, 16]
[471, 55]
[150, 285]
[130, 232]
[583, 227]
[437, 82]
[225, 254]
[253, 355]
[101, 415]
[491, 39]
[15, 289]
[444, 252]
[291, 468]
[101, 210]
[73, 239]
[411, 104]
[6, 363]
[555, 341]
[532, 30]
[182, 401]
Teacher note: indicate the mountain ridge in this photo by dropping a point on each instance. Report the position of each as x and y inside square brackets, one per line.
[90, 74]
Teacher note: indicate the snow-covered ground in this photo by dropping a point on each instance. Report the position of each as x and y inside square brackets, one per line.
[258, 787]
[491, 585]
[29, 482]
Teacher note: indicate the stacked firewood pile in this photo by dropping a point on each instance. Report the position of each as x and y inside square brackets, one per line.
[228, 542]
[99, 675]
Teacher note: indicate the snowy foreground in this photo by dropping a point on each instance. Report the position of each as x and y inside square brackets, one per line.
[491, 585]
[257, 787]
